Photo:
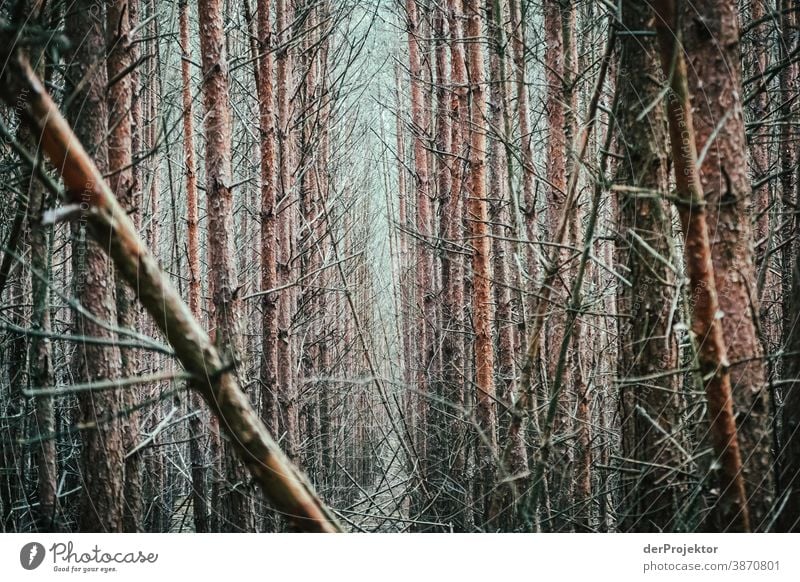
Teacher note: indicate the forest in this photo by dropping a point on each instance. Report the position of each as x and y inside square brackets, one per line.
[399, 266]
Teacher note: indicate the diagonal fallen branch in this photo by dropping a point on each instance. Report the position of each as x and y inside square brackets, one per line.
[108, 223]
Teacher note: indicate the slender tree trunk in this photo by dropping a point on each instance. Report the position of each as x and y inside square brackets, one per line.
[582, 492]
[29, 359]
[325, 192]
[500, 192]
[41, 360]
[528, 195]
[237, 506]
[155, 465]
[759, 139]
[439, 449]
[765, 202]
[402, 219]
[196, 450]
[307, 232]
[266, 103]
[120, 159]
[452, 229]
[287, 393]
[556, 161]
[40, 356]
[424, 262]
[482, 299]
[560, 105]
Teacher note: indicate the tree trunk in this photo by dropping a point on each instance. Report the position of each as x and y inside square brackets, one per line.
[556, 161]
[424, 262]
[41, 360]
[286, 209]
[120, 159]
[237, 506]
[102, 454]
[711, 40]
[40, 356]
[440, 453]
[649, 409]
[500, 192]
[452, 230]
[482, 297]
[560, 105]
[197, 455]
[712, 358]
[266, 103]
[528, 194]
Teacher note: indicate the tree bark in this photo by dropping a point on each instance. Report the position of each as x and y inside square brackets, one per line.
[196, 450]
[286, 209]
[482, 297]
[102, 455]
[269, 305]
[528, 194]
[711, 41]
[649, 409]
[120, 159]
[560, 107]
[454, 359]
[237, 507]
[424, 225]
[712, 358]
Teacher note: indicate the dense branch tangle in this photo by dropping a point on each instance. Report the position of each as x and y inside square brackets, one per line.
[112, 228]
[474, 265]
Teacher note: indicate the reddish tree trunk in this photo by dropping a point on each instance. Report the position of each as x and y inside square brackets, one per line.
[711, 40]
[482, 299]
[237, 508]
[286, 209]
[560, 72]
[424, 262]
[712, 357]
[196, 452]
[120, 158]
[269, 305]
[102, 454]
